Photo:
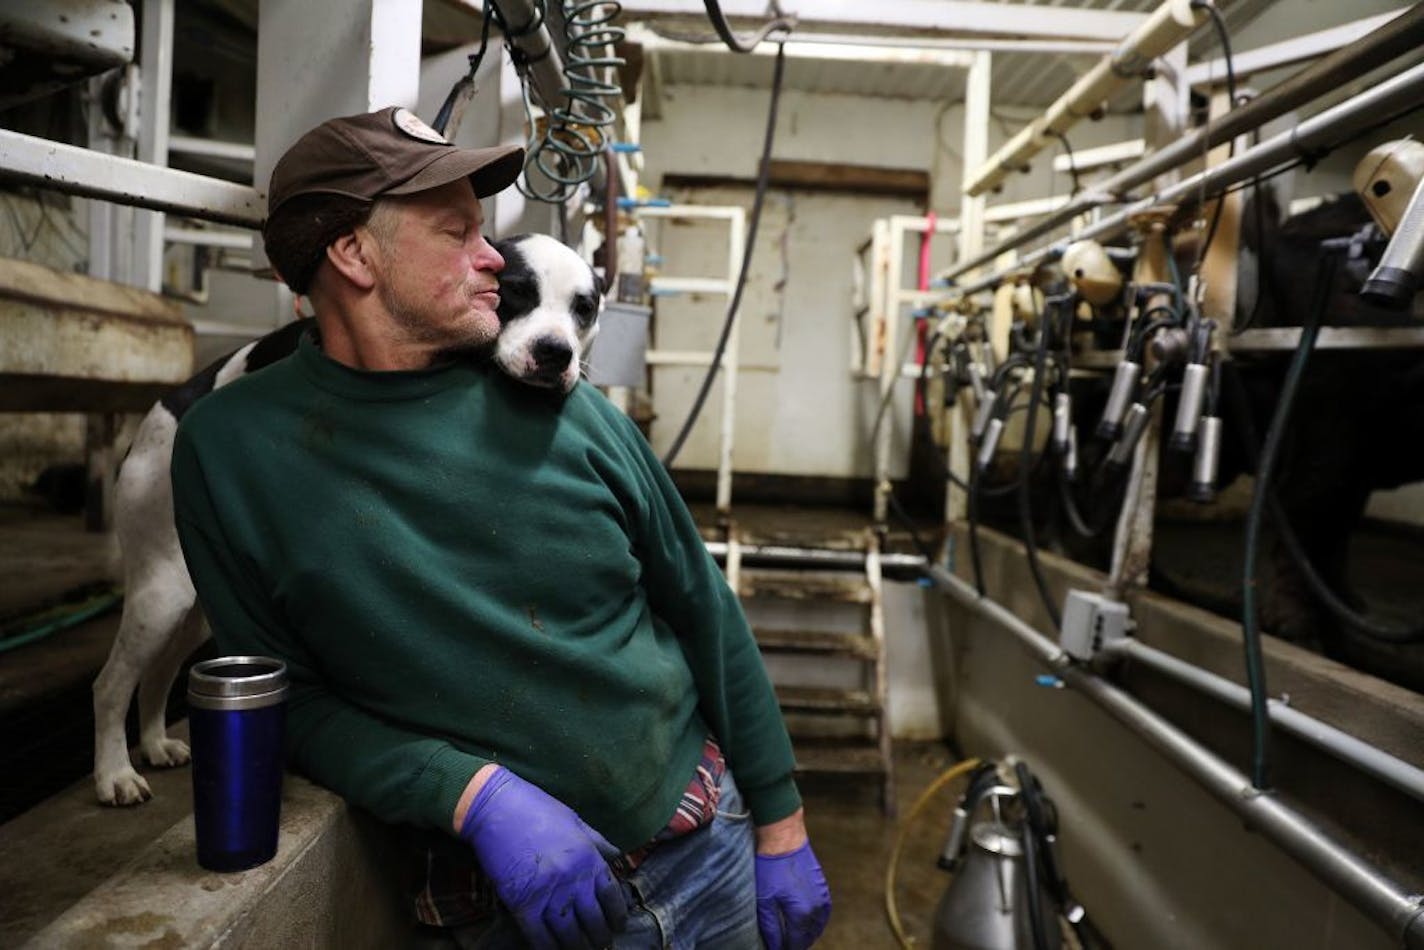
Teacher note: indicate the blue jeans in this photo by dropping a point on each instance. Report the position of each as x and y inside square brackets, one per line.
[697, 891]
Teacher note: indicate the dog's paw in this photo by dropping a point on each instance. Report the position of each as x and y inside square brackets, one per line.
[125, 787]
[167, 753]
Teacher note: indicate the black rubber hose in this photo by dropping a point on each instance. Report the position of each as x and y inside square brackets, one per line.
[1037, 925]
[972, 513]
[973, 516]
[763, 178]
[467, 81]
[1364, 625]
[1224, 37]
[1265, 468]
[734, 42]
[1076, 521]
[1025, 502]
[1038, 823]
[904, 517]
[923, 421]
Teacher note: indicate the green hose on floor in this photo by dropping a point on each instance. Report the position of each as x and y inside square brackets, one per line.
[28, 628]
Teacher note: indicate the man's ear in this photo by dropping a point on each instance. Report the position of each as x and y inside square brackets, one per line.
[350, 255]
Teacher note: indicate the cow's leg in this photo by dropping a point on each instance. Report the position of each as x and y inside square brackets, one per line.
[1293, 610]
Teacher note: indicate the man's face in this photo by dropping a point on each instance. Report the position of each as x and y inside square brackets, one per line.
[435, 272]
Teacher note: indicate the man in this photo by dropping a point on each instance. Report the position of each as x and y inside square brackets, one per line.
[498, 617]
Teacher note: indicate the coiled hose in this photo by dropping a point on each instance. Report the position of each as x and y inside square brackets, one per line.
[569, 149]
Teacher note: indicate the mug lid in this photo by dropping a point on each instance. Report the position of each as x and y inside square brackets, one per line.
[235, 676]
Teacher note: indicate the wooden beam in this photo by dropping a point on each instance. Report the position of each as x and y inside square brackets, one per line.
[35, 392]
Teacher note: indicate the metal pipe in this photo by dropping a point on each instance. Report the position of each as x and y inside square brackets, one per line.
[1352, 115]
[1390, 41]
[1347, 748]
[773, 555]
[1384, 901]
[954, 45]
[546, 68]
[1168, 25]
[43, 163]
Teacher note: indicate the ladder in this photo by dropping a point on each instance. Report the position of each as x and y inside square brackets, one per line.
[822, 633]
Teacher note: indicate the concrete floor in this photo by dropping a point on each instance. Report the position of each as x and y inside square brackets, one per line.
[853, 841]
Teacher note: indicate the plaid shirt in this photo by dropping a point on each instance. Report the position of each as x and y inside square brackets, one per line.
[454, 892]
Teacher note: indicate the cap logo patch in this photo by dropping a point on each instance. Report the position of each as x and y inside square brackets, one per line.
[411, 125]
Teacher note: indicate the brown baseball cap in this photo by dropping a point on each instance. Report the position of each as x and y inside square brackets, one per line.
[388, 152]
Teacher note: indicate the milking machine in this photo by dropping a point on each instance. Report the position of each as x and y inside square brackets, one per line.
[1008, 891]
[1390, 180]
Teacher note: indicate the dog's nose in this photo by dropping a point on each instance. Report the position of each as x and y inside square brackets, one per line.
[552, 354]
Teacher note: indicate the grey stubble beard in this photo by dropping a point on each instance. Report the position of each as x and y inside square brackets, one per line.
[419, 330]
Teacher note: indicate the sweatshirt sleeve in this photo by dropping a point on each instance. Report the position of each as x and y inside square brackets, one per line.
[399, 776]
[688, 592]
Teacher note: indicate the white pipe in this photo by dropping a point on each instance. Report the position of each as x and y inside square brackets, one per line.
[1169, 24]
[88, 173]
[236, 240]
[211, 148]
[1057, 47]
[736, 247]
[1335, 124]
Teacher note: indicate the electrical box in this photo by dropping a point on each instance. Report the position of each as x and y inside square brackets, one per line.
[1090, 621]
[618, 356]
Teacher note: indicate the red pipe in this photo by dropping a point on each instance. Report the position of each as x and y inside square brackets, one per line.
[924, 284]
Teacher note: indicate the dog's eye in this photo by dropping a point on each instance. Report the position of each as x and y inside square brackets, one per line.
[585, 310]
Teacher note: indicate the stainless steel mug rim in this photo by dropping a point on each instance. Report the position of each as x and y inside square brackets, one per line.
[202, 682]
[237, 703]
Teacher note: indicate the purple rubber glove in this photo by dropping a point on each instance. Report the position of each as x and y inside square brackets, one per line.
[545, 864]
[793, 901]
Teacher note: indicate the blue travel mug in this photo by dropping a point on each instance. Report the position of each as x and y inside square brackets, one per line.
[236, 717]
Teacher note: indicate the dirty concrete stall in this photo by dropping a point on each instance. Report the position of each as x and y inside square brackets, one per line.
[1040, 383]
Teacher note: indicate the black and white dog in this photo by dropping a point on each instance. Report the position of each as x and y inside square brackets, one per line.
[548, 313]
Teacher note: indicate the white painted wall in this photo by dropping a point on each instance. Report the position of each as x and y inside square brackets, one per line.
[800, 411]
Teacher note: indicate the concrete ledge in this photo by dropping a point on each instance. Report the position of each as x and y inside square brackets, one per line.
[332, 883]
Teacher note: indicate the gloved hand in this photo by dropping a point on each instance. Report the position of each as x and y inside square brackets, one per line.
[545, 864]
[793, 901]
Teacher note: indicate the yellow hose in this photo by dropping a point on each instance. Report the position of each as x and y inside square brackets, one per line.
[954, 772]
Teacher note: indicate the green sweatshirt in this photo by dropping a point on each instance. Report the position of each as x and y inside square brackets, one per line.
[461, 569]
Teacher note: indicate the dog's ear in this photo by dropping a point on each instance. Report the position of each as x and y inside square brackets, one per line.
[600, 283]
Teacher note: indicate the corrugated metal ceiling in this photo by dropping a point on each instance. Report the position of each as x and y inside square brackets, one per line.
[1027, 78]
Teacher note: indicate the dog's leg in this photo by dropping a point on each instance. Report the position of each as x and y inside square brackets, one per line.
[152, 615]
[154, 687]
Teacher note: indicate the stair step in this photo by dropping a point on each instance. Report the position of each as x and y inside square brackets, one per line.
[843, 757]
[818, 641]
[817, 699]
[804, 585]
